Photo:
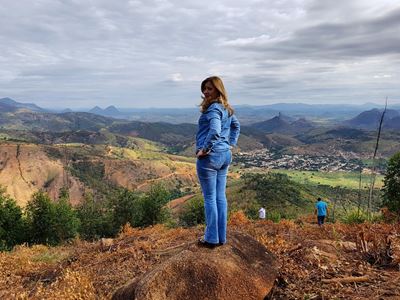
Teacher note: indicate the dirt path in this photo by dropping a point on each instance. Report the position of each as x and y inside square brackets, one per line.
[176, 204]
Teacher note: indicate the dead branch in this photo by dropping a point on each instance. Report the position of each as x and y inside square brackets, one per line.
[359, 189]
[373, 160]
[297, 247]
[362, 243]
[172, 250]
[350, 279]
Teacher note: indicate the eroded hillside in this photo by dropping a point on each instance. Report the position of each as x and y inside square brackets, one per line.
[26, 168]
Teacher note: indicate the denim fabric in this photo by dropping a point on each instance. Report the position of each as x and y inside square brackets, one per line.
[217, 130]
[321, 220]
[212, 170]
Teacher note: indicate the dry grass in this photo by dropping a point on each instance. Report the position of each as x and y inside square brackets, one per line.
[306, 254]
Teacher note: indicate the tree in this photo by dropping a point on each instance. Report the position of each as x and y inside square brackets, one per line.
[41, 216]
[96, 219]
[127, 209]
[274, 189]
[50, 223]
[391, 188]
[67, 223]
[12, 225]
[153, 206]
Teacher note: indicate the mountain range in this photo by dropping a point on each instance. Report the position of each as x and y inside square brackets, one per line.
[8, 104]
[247, 114]
[370, 119]
[48, 149]
[110, 111]
[283, 124]
[280, 132]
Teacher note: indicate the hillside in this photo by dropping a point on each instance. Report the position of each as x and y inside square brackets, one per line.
[393, 123]
[6, 108]
[347, 141]
[283, 125]
[370, 119]
[276, 124]
[51, 122]
[337, 262]
[18, 105]
[26, 168]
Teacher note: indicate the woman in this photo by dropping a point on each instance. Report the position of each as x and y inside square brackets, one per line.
[218, 131]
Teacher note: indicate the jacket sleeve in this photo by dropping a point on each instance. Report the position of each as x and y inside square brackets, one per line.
[214, 117]
[235, 130]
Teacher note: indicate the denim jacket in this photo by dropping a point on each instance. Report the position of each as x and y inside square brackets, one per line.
[217, 131]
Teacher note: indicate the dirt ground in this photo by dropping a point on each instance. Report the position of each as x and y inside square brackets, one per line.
[335, 262]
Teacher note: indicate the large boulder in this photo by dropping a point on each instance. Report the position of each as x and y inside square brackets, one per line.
[241, 269]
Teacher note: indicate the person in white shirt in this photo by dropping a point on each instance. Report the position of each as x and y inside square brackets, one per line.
[261, 213]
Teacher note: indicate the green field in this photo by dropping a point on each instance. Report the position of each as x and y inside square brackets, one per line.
[342, 179]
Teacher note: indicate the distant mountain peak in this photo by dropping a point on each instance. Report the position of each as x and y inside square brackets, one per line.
[278, 117]
[284, 117]
[14, 104]
[276, 123]
[111, 109]
[8, 100]
[96, 110]
[284, 124]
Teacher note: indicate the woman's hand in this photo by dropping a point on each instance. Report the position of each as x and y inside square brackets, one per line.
[201, 153]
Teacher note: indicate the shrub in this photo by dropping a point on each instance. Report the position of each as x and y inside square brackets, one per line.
[192, 213]
[126, 208]
[41, 216]
[12, 225]
[391, 188]
[152, 206]
[49, 222]
[96, 219]
[251, 210]
[356, 216]
[274, 216]
[274, 189]
[67, 223]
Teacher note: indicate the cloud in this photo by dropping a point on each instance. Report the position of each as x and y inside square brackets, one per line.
[331, 40]
[176, 77]
[156, 52]
[189, 59]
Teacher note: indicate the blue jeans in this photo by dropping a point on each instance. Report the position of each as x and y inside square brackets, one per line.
[212, 170]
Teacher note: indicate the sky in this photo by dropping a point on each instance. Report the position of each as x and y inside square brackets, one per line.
[155, 53]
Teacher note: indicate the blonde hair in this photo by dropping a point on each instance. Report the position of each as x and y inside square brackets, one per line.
[222, 97]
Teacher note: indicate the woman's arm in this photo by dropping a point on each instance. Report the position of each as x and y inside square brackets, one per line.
[214, 116]
[235, 130]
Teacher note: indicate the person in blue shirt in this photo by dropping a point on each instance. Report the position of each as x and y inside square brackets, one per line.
[321, 210]
[218, 131]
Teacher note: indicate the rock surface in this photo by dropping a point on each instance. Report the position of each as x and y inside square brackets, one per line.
[241, 269]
